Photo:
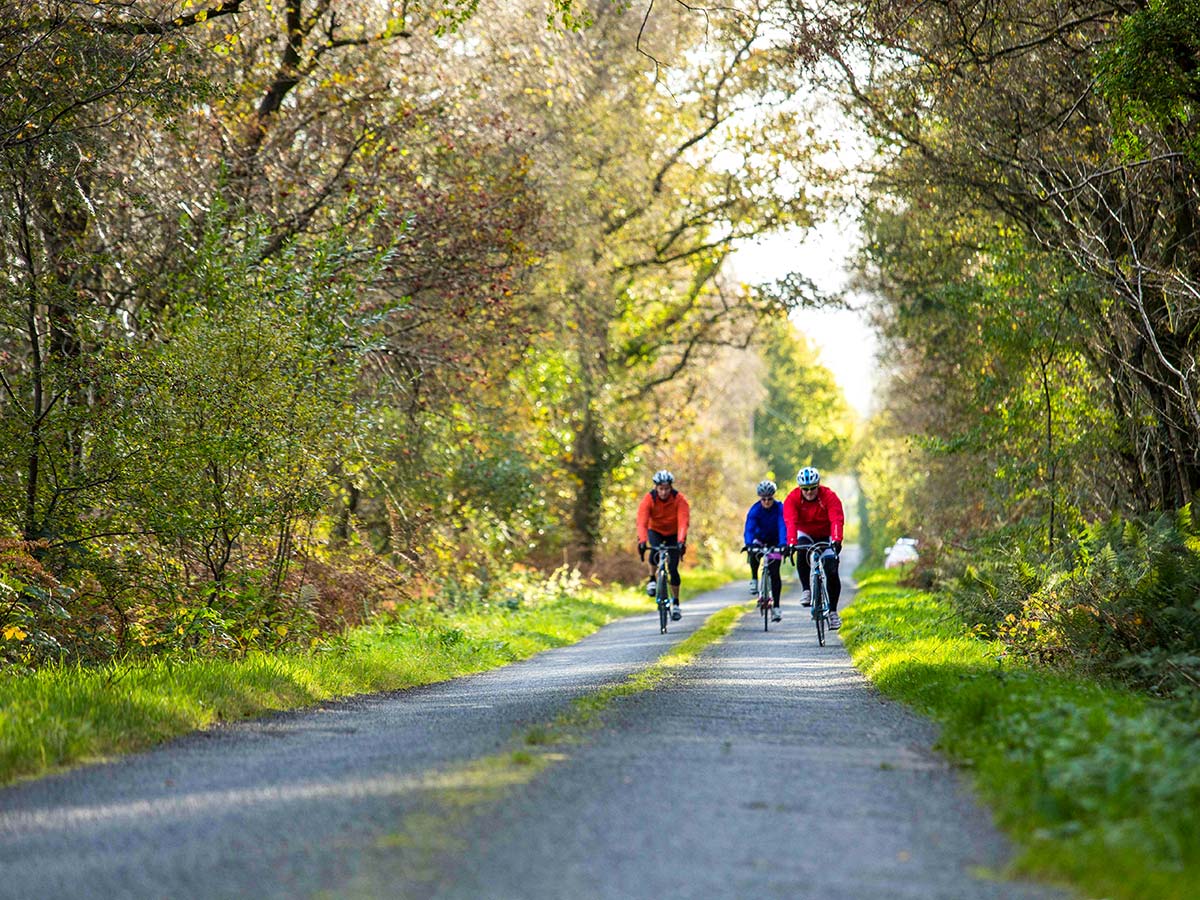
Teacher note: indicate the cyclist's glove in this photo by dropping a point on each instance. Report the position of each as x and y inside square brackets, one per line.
[682, 549]
[837, 547]
[642, 550]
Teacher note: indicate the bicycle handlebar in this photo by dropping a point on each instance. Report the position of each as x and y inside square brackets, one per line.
[763, 549]
[814, 547]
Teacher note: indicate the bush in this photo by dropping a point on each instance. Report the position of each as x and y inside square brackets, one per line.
[1121, 601]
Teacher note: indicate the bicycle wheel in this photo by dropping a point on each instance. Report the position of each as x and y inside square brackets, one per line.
[664, 601]
[764, 598]
[824, 609]
[820, 607]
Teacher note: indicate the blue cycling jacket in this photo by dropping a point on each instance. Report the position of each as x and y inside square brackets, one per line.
[766, 525]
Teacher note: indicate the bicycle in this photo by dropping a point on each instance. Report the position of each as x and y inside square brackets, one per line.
[818, 585]
[662, 591]
[766, 600]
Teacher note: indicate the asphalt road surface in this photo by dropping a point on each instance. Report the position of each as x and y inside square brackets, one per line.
[767, 768]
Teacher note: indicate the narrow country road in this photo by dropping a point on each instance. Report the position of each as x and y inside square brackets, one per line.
[767, 768]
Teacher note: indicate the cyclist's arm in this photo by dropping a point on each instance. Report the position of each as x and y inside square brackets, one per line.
[837, 516]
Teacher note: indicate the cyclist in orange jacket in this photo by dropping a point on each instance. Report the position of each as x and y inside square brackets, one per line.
[662, 518]
[813, 512]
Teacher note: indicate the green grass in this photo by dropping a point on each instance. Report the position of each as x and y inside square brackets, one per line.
[68, 714]
[1100, 787]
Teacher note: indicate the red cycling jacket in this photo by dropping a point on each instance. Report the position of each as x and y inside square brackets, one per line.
[668, 516]
[821, 518]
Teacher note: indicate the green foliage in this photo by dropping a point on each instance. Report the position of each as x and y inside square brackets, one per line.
[1099, 787]
[75, 69]
[32, 606]
[804, 419]
[1118, 602]
[199, 460]
[231, 423]
[891, 476]
[1149, 76]
[1005, 177]
[991, 415]
[635, 302]
[194, 404]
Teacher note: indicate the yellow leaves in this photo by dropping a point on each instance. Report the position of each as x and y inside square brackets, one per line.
[281, 630]
[14, 633]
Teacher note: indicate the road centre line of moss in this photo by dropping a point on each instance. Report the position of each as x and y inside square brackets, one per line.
[456, 793]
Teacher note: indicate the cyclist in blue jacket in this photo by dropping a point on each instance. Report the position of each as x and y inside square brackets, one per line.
[765, 527]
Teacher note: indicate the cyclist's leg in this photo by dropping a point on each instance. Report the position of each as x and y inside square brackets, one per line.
[673, 567]
[830, 564]
[753, 572]
[776, 579]
[803, 542]
[653, 538]
[833, 586]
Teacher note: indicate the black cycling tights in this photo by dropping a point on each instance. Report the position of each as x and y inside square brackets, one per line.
[830, 562]
[672, 556]
[772, 573]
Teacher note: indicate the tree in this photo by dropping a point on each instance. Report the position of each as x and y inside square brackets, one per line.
[654, 181]
[1001, 105]
[73, 75]
[228, 428]
[804, 419]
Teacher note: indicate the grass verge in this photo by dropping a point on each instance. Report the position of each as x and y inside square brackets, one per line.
[1100, 787]
[69, 714]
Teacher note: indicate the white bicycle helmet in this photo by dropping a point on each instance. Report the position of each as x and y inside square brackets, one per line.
[662, 476]
[808, 477]
[766, 489]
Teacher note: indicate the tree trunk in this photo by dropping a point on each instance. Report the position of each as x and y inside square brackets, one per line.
[591, 464]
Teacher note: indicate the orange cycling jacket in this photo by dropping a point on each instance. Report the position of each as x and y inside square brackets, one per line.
[668, 516]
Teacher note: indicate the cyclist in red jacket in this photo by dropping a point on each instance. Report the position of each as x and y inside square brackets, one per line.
[662, 518]
[812, 512]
